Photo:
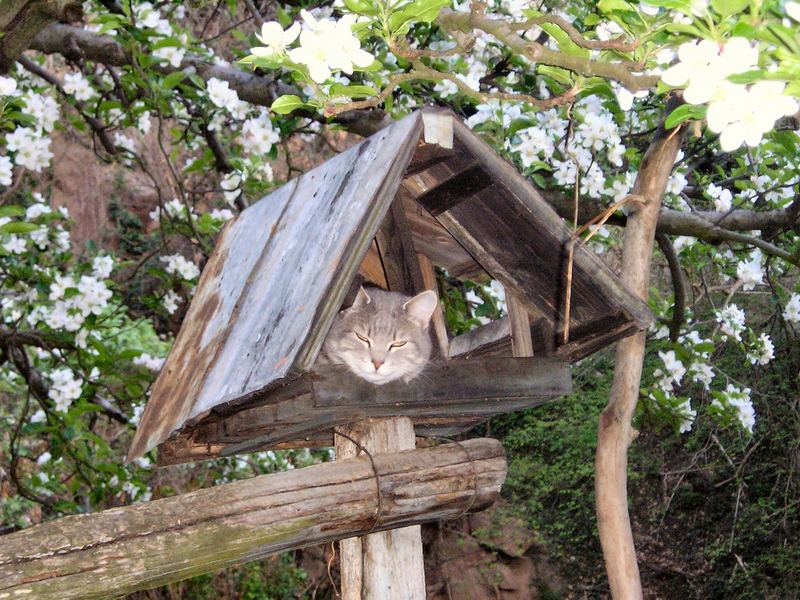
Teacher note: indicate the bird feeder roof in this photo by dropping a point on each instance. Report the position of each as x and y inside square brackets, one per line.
[282, 269]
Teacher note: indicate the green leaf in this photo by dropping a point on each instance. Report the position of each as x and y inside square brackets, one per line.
[685, 112]
[607, 6]
[725, 8]
[286, 104]
[362, 7]
[173, 79]
[18, 227]
[11, 210]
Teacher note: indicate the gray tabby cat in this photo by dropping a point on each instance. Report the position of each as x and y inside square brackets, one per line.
[383, 336]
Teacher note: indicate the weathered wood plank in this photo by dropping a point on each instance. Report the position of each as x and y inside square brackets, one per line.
[433, 240]
[118, 551]
[439, 325]
[519, 321]
[331, 395]
[602, 287]
[386, 565]
[267, 296]
[398, 256]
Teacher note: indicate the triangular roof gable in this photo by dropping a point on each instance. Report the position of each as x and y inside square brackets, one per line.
[281, 270]
[275, 280]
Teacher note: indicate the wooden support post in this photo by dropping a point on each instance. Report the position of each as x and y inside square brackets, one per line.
[439, 325]
[386, 565]
[115, 552]
[519, 320]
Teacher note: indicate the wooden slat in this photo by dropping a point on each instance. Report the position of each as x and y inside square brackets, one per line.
[112, 553]
[519, 321]
[439, 325]
[278, 278]
[457, 392]
[396, 248]
[433, 240]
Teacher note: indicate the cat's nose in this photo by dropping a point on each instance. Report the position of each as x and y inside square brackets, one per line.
[377, 364]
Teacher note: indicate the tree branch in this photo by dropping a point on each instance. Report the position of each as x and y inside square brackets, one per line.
[21, 20]
[96, 124]
[614, 431]
[452, 21]
[75, 43]
[678, 285]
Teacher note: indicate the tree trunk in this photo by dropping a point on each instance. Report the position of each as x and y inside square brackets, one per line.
[21, 20]
[118, 551]
[386, 565]
[615, 433]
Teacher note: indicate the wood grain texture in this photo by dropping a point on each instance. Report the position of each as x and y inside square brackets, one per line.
[118, 551]
[267, 296]
[437, 321]
[519, 321]
[386, 565]
[452, 396]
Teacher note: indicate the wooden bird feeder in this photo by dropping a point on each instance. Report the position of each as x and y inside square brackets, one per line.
[422, 193]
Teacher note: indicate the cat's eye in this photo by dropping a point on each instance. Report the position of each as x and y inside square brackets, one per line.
[362, 338]
[398, 344]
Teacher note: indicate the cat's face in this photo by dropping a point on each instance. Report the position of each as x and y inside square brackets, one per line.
[383, 336]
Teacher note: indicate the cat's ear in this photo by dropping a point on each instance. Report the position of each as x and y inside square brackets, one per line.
[362, 299]
[420, 308]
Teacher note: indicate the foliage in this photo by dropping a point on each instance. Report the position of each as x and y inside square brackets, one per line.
[570, 92]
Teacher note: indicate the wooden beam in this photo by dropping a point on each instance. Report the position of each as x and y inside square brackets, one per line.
[387, 565]
[118, 551]
[304, 411]
[439, 325]
[435, 242]
[396, 248]
[519, 320]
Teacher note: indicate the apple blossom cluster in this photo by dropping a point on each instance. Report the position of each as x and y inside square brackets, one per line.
[737, 400]
[64, 388]
[326, 45]
[176, 264]
[741, 114]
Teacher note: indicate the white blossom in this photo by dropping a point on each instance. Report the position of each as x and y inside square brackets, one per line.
[15, 244]
[77, 85]
[64, 388]
[751, 272]
[763, 351]
[8, 86]
[178, 265]
[722, 197]
[687, 415]
[739, 400]
[6, 171]
[102, 266]
[792, 311]
[153, 363]
[220, 93]
[43, 109]
[258, 135]
[31, 149]
[170, 301]
[172, 54]
[732, 321]
[327, 45]
[275, 39]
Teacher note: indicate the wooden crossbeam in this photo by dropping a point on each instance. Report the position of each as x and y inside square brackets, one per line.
[307, 409]
[115, 552]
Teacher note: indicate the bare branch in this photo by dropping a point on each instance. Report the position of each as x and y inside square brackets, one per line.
[678, 285]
